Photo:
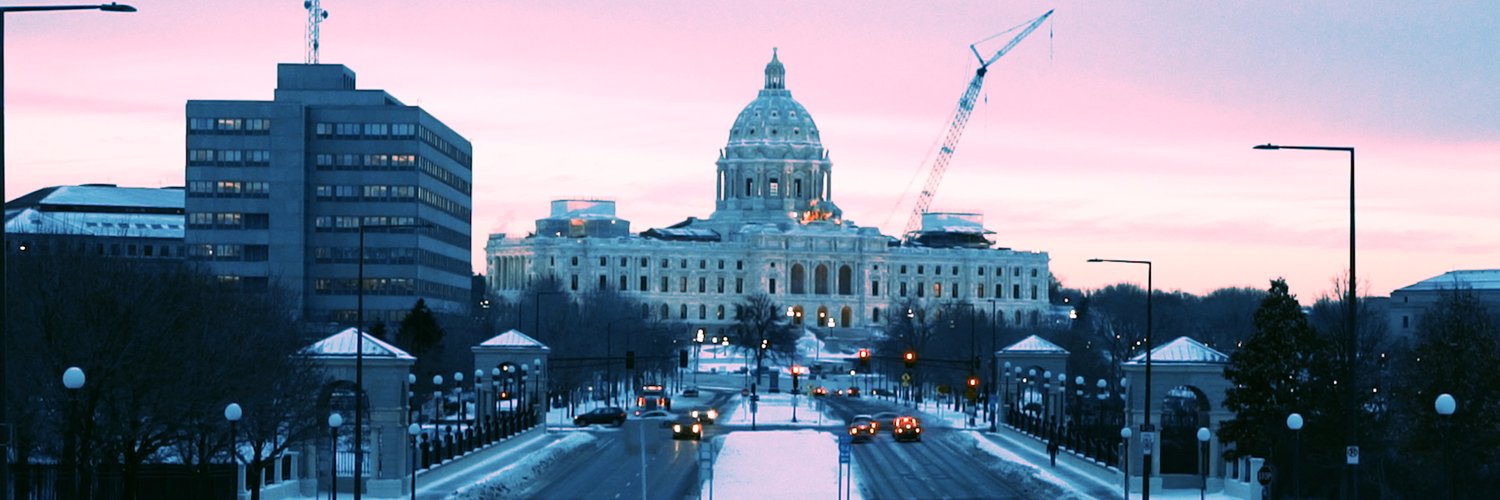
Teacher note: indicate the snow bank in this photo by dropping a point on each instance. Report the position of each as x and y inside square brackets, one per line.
[1050, 485]
[511, 480]
[777, 464]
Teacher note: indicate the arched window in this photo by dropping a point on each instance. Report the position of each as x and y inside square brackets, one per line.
[846, 279]
[846, 316]
[820, 280]
[798, 280]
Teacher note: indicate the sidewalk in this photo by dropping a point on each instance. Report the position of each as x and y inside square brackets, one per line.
[1079, 474]
[439, 481]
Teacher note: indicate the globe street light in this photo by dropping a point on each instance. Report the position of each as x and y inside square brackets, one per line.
[458, 394]
[73, 380]
[1203, 435]
[1351, 334]
[1125, 460]
[334, 421]
[1294, 422]
[1445, 406]
[1146, 402]
[414, 430]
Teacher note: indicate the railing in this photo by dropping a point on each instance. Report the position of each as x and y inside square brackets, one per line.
[344, 462]
[1094, 444]
[447, 442]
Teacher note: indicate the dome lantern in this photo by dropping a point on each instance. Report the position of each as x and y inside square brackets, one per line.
[775, 73]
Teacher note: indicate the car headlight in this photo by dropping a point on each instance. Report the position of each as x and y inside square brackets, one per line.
[695, 413]
[676, 427]
[713, 414]
[697, 428]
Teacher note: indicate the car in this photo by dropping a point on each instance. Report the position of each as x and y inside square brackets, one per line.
[820, 392]
[691, 392]
[686, 427]
[664, 416]
[704, 415]
[907, 429]
[862, 428]
[888, 418]
[853, 392]
[607, 415]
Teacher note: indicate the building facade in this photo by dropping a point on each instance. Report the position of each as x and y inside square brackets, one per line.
[775, 230]
[98, 220]
[280, 192]
[1407, 304]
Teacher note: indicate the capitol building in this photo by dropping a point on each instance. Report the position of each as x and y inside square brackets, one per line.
[775, 230]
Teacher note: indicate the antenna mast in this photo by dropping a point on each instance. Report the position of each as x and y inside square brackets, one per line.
[315, 17]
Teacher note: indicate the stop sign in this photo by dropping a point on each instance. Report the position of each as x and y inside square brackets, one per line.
[1265, 474]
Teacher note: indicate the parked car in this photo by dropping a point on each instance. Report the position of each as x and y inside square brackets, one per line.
[607, 415]
[691, 392]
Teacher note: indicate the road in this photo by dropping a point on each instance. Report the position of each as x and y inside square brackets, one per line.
[637, 461]
[945, 464]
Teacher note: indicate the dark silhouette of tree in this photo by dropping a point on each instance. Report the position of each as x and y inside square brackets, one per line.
[761, 328]
[419, 332]
[1283, 368]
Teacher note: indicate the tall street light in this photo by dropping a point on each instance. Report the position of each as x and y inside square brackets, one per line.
[1294, 423]
[359, 351]
[4, 410]
[414, 431]
[334, 421]
[1350, 346]
[73, 379]
[1146, 402]
[1445, 406]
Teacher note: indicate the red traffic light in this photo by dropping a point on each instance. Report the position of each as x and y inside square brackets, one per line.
[973, 381]
[909, 356]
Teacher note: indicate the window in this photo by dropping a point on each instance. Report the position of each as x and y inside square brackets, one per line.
[702, 311]
[1033, 272]
[663, 287]
[1033, 292]
[603, 261]
[404, 130]
[603, 281]
[229, 124]
[979, 291]
[937, 270]
[739, 285]
[775, 187]
[1015, 291]
[919, 269]
[921, 290]
[644, 282]
[999, 291]
[772, 288]
[874, 288]
[902, 289]
[937, 289]
[200, 124]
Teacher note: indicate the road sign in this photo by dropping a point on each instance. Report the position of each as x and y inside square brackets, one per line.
[844, 445]
[1265, 475]
[1148, 442]
[1351, 455]
[906, 377]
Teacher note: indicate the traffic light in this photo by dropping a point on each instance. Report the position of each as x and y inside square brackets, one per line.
[864, 359]
[629, 360]
[910, 358]
[973, 382]
[682, 358]
[796, 375]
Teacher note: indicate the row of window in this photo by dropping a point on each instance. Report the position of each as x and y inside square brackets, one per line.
[351, 223]
[228, 220]
[49, 246]
[228, 157]
[645, 262]
[441, 202]
[999, 271]
[228, 189]
[326, 130]
[448, 149]
[372, 192]
[351, 161]
[388, 286]
[393, 256]
[937, 291]
[229, 126]
[244, 283]
[229, 252]
[444, 176]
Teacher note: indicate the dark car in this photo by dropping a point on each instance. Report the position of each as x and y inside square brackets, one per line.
[862, 428]
[887, 418]
[687, 428]
[853, 392]
[608, 415]
[704, 415]
[691, 392]
[907, 429]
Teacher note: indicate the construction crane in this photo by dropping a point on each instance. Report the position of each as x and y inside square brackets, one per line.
[960, 119]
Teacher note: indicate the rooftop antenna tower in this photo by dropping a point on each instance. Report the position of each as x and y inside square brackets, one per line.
[315, 17]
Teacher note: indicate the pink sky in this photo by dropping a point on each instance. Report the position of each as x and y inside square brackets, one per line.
[1125, 134]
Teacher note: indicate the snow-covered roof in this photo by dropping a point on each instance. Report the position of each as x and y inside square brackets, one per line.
[112, 196]
[583, 209]
[1473, 279]
[954, 222]
[1182, 350]
[111, 224]
[1034, 344]
[345, 343]
[513, 338]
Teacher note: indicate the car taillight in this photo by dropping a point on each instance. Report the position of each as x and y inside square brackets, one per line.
[697, 428]
[676, 427]
[641, 401]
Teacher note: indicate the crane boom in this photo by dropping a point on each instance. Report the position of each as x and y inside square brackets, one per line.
[958, 122]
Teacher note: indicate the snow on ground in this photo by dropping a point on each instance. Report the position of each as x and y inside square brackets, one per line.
[777, 464]
[776, 409]
[987, 446]
[512, 479]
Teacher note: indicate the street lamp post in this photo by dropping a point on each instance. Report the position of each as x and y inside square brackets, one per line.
[1351, 349]
[1005, 397]
[458, 395]
[413, 430]
[1146, 401]
[334, 421]
[1203, 435]
[437, 400]
[539, 393]
[232, 413]
[5, 451]
[73, 379]
[1294, 422]
[1125, 460]
[992, 405]
[1445, 406]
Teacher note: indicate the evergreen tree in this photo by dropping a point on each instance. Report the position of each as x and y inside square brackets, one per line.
[1283, 368]
[419, 333]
